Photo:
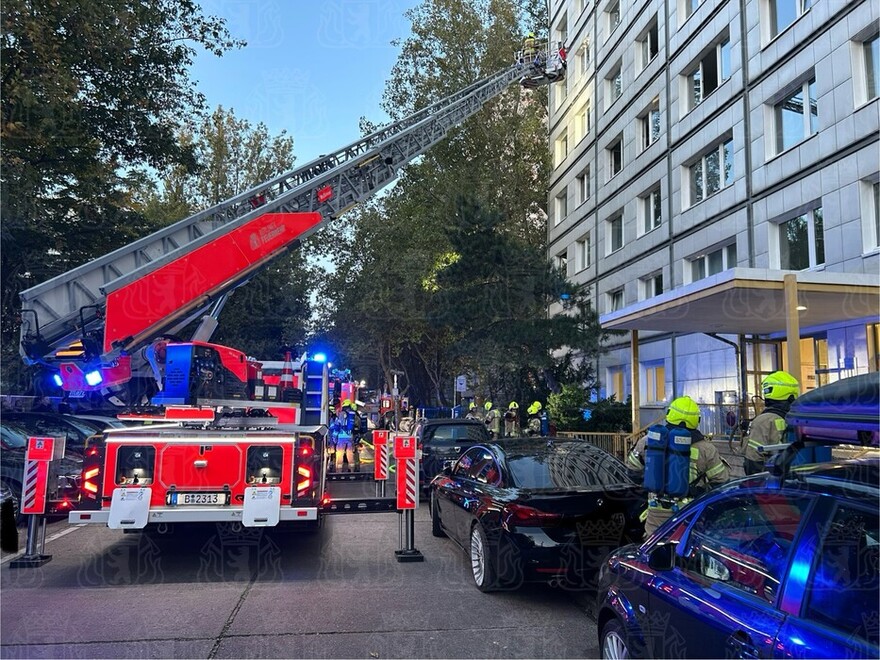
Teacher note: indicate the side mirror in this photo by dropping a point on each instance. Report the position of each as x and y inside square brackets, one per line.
[662, 557]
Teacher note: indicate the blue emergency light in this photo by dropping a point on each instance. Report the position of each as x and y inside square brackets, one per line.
[94, 377]
[56, 378]
[319, 357]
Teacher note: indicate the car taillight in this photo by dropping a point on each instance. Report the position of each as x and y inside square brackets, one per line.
[303, 480]
[526, 516]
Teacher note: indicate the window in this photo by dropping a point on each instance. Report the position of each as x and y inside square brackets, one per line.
[613, 85]
[785, 12]
[652, 286]
[871, 51]
[652, 210]
[613, 13]
[802, 241]
[615, 300]
[649, 45]
[583, 252]
[847, 564]
[561, 206]
[745, 541]
[795, 119]
[708, 74]
[615, 233]
[711, 172]
[584, 185]
[655, 382]
[615, 157]
[561, 147]
[561, 262]
[714, 262]
[584, 121]
[690, 6]
[584, 58]
[615, 375]
[876, 198]
[650, 124]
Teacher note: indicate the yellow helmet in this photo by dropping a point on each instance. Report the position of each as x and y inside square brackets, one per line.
[534, 408]
[683, 410]
[472, 406]
[780, 386]
[346, 403]
[487, 405]
[530, 35]
[513, 406]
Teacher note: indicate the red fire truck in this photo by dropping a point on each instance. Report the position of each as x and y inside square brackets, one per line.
[223, 445]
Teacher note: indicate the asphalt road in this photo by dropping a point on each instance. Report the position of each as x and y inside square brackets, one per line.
[337, 593]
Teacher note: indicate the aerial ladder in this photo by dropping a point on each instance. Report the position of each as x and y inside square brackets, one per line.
[95, 328]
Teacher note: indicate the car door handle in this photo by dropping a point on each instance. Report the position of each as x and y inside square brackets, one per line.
[741, 645]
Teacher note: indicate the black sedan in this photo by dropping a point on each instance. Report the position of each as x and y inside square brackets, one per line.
[536, 509]
[443, 441]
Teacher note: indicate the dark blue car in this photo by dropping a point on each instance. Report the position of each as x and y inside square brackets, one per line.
[764, 567]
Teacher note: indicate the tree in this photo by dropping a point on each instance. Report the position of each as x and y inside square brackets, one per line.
[91, 92]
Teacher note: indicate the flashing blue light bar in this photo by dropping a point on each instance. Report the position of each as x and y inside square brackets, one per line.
[320, 357]
[94, 377]
[56, 378]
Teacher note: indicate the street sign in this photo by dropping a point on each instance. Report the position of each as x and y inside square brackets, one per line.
[41, 449]
[460, 384]
[404, 446]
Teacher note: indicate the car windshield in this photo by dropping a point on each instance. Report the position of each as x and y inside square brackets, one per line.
[565, 468]
[450, 434]
[11, 439]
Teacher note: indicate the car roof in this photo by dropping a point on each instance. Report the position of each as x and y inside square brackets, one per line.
[459, 421]
[549, 445]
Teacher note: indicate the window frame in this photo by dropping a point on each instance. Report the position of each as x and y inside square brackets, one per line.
[612, 222]
[809, 123]
[561, 147]
[695, 76]
[871, 67]
[801, 8]
[655, 381]
[648, 204]
[648, 285]
[813, 245]
[612, 10]
[560, 207]
[649, 124]
[614, 85]
[585, 185]
[615, 147]
[705, 260]
[645, 43]
[583, 252]
[720, 150]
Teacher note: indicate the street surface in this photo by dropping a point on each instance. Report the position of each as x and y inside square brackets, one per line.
[338, 593]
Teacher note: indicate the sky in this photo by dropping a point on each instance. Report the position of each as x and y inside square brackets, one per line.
[310, 67]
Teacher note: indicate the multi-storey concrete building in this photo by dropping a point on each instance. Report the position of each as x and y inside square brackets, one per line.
[703, 151]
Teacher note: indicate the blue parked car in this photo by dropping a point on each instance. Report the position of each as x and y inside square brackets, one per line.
[768, 566]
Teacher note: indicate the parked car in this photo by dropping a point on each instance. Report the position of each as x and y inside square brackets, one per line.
[443, 441]
[767, 566]
[64, 475]
[56, 425]
[100, 422]
[536, 509]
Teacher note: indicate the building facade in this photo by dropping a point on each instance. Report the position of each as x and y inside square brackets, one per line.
[698, 145]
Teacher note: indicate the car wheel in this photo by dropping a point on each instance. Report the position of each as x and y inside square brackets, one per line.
[613, 644]
[436, 529]
[485, 575]
[14, 490]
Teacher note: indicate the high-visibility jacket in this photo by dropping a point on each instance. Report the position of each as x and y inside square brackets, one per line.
[766, 429]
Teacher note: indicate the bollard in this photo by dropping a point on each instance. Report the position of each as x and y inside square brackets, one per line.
[40, 451]
[407, 495]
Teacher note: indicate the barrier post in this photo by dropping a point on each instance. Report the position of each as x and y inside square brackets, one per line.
[380, 460]
[33, 499]
[407, 495]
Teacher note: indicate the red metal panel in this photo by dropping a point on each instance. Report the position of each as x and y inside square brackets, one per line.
[40, 449]
[138, 306]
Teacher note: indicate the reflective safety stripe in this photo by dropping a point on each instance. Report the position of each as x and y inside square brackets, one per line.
[780, 424]
[715, 470]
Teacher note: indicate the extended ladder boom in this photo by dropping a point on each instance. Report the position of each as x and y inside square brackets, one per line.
[117, 303]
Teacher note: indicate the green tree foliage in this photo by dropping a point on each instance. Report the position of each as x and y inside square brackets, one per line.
[566, 407]
[272, 311]
[610, 415]
[91, 92]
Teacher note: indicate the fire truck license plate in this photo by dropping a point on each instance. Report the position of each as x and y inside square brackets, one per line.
[198, 498]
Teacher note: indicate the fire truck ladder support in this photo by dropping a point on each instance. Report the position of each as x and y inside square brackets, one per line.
[73, 306]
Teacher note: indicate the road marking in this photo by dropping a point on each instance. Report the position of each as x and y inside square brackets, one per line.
[49, 539]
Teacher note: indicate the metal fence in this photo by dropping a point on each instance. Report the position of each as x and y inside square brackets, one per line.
[615, 444]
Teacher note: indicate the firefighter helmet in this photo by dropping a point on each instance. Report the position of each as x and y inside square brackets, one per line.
[487, 405]
[472, 406]
[780, 386]
[513, 406]
[535, 408]
[683, 410]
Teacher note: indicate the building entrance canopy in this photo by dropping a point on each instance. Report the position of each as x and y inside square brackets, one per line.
[752, 301]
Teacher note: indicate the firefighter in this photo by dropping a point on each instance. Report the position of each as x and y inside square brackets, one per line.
[675, 462]
[779, 389]
[472, 411]
[528, 49]
[511, 420]
[345, 441]
[492, 420]
[533, 426]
